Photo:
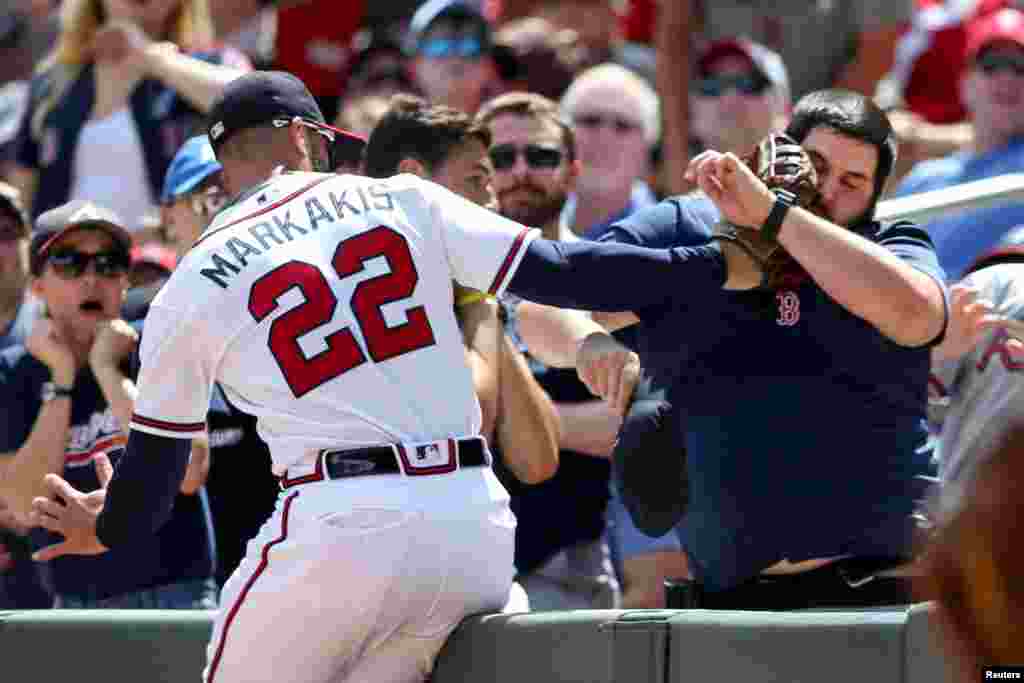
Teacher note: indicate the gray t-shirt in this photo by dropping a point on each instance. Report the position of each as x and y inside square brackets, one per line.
[985, 387]
[816, 38]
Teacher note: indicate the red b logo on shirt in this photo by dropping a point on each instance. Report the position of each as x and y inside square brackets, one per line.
[789, 308]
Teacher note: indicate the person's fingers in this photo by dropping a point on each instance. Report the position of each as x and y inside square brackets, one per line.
[47, 507]
[59, 487]
[615, 369]
[49, 523]
[51, 552]
[104, 470]
[630, 379]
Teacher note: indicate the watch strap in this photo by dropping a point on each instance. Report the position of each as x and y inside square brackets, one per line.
[784, 201]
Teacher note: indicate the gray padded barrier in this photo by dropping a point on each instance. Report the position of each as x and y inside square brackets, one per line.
[788, 647]
[926, 662]
[111, 646]
[599, 646]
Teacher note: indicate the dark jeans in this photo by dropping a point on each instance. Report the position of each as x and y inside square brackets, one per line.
[847, 583]
[189, 594]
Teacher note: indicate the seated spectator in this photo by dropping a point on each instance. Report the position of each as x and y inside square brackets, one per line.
[450, 43]
[533, 55]
[68, 399]
[18, 310]
[378, 66]
[926, 106]
[599, 31]
[112, 103]
[993, 87]
[616, 119]
[739, 94]
[839, 44]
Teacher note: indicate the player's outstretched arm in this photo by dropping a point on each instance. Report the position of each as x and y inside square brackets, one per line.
[135, 501]
[600, 276]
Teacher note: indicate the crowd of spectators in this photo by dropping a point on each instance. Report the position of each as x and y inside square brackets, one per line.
[569, 116]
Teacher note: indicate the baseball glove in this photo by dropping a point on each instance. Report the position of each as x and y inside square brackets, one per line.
[781, 164]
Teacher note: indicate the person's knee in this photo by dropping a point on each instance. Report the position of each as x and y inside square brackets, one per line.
[644, 577]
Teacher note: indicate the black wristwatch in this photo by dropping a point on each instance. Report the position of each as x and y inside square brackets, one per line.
[51, 391]
[784, 201]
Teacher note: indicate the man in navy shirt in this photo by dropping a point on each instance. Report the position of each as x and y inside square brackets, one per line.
[802, 416]
[67, 402]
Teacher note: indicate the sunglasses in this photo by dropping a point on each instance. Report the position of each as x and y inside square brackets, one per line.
[503, 157]
[746, 84]
[468, 47]
[312, 125]
[70, 264]
[619, 124]
[991, 62]
[206, 204]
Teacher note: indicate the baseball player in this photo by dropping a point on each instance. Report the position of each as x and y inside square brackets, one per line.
[980, 379]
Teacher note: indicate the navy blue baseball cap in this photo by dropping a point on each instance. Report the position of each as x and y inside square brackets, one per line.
[194, 163]
[66, 218]
[261, 98]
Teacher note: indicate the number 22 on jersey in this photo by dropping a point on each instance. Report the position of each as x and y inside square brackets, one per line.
[343, 351]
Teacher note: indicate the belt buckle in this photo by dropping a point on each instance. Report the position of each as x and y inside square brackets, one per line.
[428, 458]
[350, 467]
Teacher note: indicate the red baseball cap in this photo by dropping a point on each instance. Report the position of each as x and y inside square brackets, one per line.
[155, 254]
[1005, 25]
[768, 63]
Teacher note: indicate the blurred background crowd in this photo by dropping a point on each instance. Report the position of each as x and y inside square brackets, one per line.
[583, 111]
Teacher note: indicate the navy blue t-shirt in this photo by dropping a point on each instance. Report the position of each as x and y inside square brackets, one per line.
[804, 424]
[182, 549]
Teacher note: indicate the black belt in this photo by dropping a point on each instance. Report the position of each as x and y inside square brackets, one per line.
[413, 461]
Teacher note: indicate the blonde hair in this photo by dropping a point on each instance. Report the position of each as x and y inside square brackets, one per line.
[191, 27]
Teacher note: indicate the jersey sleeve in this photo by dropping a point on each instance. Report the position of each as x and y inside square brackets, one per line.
[178, 361]
[914, 246]
[483, 249]
[674, 222]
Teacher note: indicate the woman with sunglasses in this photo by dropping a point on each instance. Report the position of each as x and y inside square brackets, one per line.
[68, 403]
[122, 89]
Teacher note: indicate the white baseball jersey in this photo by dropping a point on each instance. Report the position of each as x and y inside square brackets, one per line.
[323, 306]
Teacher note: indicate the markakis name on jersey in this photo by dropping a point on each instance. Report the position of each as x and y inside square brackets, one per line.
[288, 223]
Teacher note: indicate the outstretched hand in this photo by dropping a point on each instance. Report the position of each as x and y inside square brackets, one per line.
[970, 318]
[72, 514]
[608, 369]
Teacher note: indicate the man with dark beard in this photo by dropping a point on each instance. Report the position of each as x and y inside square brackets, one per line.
[561, 553]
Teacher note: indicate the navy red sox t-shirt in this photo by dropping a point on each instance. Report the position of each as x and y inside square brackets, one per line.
[182, 549]
[805, 426]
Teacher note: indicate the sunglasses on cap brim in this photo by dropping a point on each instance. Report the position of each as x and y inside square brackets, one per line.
[345, 147]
